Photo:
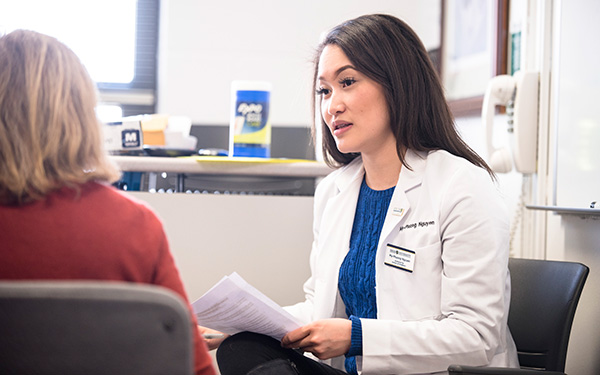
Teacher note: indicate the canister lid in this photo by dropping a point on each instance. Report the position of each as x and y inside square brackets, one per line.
[251, 86]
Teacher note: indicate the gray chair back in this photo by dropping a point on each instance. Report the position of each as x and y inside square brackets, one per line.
[90, 327]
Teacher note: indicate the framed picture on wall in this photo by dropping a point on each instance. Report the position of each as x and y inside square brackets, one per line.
[474, 49]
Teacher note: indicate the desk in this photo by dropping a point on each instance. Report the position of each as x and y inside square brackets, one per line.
[222, 173]
[262, 237]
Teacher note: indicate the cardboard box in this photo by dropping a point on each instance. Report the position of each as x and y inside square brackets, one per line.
[153, 127]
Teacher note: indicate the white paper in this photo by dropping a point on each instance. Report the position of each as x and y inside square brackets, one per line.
[233, 306]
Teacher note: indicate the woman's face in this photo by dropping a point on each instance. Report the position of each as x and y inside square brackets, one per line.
[352, 105]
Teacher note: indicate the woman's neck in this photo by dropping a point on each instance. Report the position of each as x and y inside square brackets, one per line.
[382, 170]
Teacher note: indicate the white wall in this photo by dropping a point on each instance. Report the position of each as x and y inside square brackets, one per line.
[266, 239]
[204, 45]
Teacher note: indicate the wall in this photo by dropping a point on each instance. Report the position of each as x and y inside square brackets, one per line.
[205, 45]
[266, 239]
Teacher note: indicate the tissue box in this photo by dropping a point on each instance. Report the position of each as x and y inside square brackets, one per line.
[123, 136]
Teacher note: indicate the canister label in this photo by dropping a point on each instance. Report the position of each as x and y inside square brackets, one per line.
[251, 127]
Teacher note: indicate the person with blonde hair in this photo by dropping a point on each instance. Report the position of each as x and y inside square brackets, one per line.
[60, 218]
[50, 135]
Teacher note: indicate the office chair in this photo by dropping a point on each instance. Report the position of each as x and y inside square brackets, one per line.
[544, 297]
[90, 327]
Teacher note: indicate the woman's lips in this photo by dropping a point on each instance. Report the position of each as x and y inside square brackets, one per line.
[340, 127]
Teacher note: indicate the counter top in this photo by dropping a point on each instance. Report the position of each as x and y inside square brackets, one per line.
[221, 165]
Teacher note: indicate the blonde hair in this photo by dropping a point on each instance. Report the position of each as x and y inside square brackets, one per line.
[49, 133]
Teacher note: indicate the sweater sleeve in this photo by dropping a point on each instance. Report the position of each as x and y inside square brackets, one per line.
[355, 338]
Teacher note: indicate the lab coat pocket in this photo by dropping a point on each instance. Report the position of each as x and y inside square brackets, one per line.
[413, 295]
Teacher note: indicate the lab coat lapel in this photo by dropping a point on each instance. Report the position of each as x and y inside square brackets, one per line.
[337, 221]
[399, 204]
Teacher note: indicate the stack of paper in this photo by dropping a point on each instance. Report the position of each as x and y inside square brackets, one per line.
[233, 305]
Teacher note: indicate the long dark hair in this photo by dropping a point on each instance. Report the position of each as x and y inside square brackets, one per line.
[388, 51]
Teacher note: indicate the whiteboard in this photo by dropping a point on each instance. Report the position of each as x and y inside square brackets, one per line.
[577, 105]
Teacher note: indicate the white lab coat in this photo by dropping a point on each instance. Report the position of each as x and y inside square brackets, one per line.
[453, 307]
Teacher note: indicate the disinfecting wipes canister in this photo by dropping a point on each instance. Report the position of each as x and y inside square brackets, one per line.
[250, 125]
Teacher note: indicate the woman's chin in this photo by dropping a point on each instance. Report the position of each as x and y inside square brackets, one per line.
[344, 148]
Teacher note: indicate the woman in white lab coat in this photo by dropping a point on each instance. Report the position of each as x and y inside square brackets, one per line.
[410, 255]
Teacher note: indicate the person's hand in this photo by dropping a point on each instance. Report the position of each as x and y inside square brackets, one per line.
[207, 333]
[325, 338]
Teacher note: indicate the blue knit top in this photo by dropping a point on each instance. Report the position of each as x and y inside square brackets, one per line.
[356, 281]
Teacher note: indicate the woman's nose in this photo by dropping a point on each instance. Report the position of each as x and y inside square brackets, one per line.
[336, 105]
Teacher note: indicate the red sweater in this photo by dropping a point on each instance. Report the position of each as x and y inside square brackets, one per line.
[102, 234]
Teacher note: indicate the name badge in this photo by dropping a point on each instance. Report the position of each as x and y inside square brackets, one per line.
[400, 258]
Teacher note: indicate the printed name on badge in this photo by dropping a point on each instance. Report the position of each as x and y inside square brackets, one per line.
[400, 258]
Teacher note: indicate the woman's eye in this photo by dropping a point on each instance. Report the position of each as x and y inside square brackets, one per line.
[347, 82]
[323, 91]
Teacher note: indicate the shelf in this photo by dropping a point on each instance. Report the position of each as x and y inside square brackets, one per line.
[223, 166]
[567, 210]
